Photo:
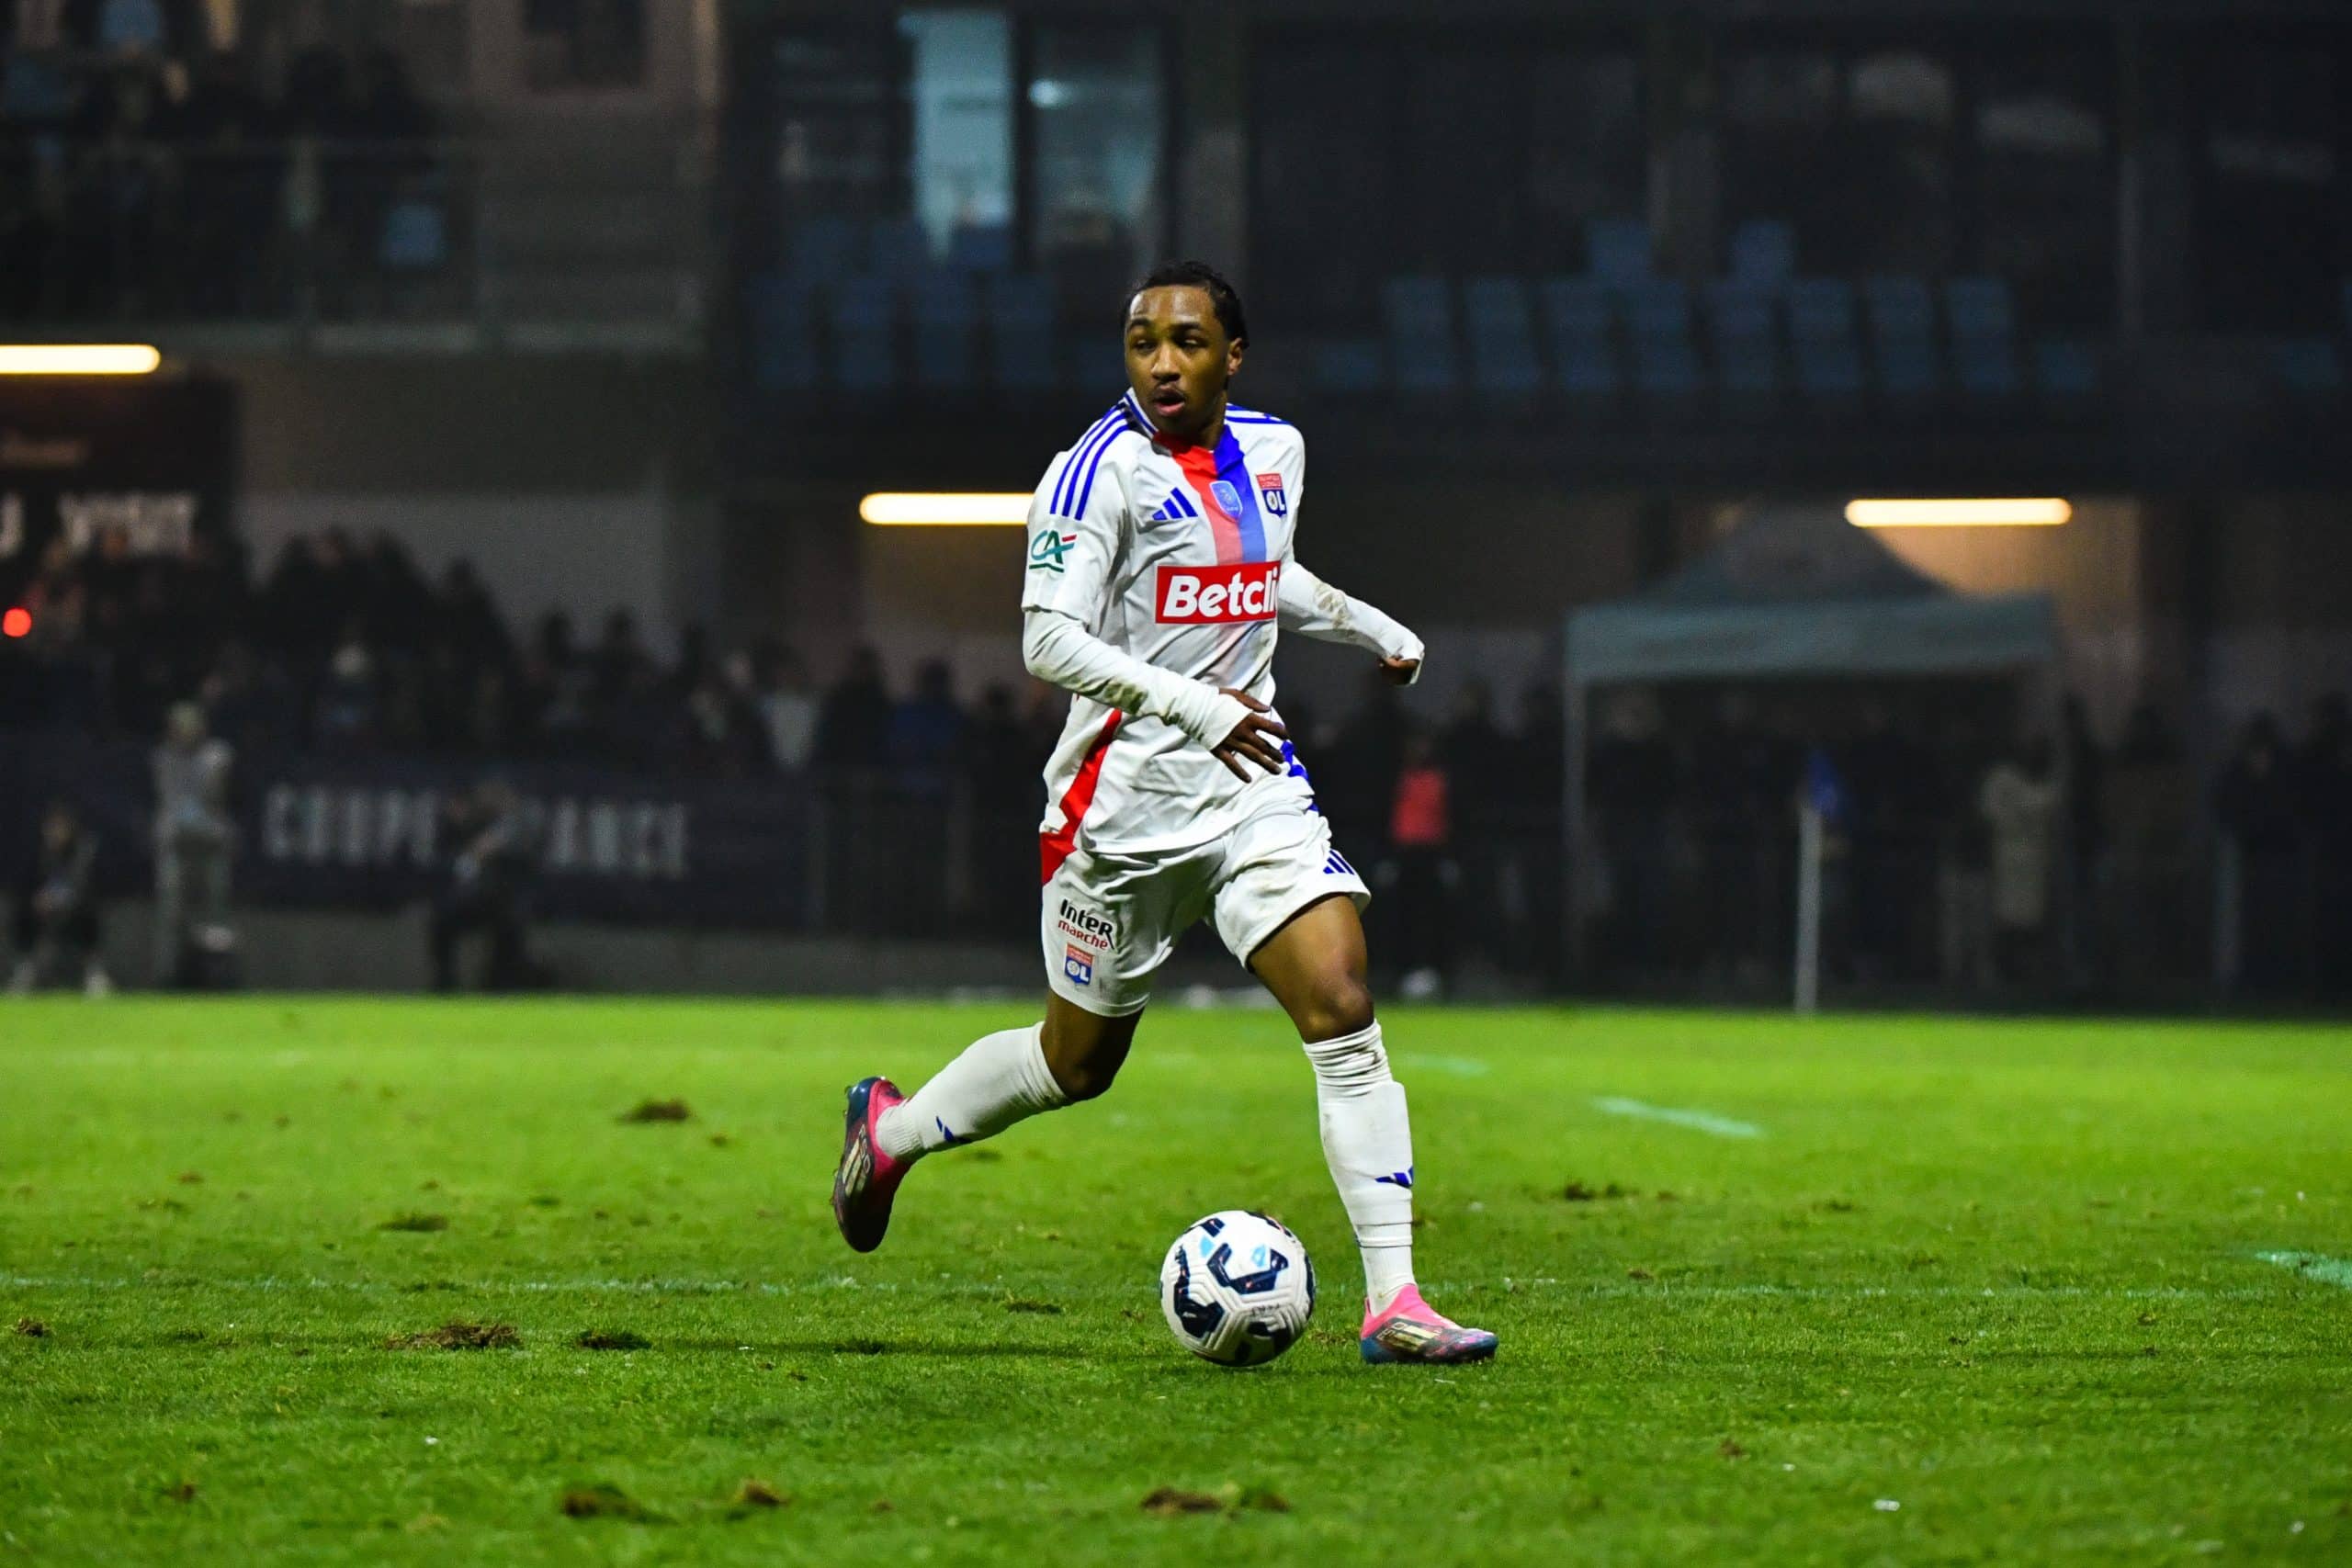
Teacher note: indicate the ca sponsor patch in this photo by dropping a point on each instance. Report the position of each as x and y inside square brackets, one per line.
[1047, 549]
[1271, 496]
[1218, 596]
[1078, 966]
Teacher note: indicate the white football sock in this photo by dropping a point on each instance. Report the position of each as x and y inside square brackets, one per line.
[1001, 1078]
[1368, 1143]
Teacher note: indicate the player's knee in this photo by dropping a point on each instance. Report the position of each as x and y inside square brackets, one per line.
[1341, 1005]
[1086, 1078]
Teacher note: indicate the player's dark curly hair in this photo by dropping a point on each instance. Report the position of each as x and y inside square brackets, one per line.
[1223, 297]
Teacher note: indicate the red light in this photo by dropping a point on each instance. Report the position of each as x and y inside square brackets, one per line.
[17, 622]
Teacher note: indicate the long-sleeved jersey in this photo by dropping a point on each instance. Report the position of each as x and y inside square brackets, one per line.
[1157, 573]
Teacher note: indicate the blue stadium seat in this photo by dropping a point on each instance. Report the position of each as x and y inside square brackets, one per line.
[1022, 332]
[1350, 367]
[1501, 330]
[2308, 366]
[1902, 338]
[1419, 312]
[864, 352]
[783, 310]
[1764, 252]
[1746, 345]
[415, 236]
[1617, 250]
[1822, 339]
[1665, 362]
[899, 248]
[1576, 324]
[824, 250]
[980, 247]
[2066, 369]
[1982, 319]
[945, 309]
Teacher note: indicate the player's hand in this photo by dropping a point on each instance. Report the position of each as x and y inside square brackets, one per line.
[1257, 739]
[1399, 671]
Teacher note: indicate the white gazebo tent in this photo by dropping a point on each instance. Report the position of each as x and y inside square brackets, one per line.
[1794, 592]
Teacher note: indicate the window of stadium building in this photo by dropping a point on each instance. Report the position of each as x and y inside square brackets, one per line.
[960, 84]
[583, 43]
[1931, 156]
[1098, 204]
[2045, 208]
[2274, 224]
[1327, 180]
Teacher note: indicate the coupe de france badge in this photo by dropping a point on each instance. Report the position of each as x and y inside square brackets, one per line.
[1270, 496]
[1226, 496]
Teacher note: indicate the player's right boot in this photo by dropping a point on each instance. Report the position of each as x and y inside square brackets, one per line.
[867, 1179]
[1409, 1329]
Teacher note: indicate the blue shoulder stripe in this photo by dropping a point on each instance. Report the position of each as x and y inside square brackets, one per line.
[1068, 479]
[1101, 452]
[1090, 452]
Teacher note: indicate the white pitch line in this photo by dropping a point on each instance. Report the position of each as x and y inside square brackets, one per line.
[1460, 1066]
[2312, 1265]
[1697, 1120]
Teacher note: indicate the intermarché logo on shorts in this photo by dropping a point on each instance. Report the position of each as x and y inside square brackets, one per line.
[1086, 925]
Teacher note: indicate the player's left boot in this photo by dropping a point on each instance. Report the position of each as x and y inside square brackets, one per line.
[867, 1179]
[1409, 1329]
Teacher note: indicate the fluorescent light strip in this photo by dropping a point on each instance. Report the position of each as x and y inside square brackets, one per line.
[915, 509]
[78, 359]
[2045, 512]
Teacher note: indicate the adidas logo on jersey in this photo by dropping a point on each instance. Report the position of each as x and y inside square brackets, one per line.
[1218, 596]
[1177, 507]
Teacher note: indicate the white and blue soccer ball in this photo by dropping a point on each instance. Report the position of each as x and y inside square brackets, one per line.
[1237, 1288]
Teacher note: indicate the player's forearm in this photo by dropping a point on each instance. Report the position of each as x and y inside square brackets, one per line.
[1060, 651]
[1313, 607]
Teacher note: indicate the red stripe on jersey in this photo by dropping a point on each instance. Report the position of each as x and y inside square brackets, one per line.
[1055, 847]
[1198, 464]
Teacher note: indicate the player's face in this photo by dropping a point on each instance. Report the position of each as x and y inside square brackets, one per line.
[1178, 359]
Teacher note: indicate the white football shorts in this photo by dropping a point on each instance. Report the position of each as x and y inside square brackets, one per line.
[1110, 921]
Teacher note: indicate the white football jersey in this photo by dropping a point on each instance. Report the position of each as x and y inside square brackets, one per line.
[1172, 554]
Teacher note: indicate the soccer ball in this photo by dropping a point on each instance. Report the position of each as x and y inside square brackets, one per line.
[1237, 1288]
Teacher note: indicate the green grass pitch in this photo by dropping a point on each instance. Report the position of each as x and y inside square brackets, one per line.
[1864, 1288]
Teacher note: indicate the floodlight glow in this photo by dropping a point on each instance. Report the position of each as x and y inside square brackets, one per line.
[15, 622]
[2042, 512]
[79, 359]
[915, 509]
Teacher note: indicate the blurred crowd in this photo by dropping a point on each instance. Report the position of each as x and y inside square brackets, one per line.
[1967, 850]
[143, 155]
[1964, 850]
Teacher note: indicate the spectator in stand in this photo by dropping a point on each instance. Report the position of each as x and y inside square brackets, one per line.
[1634, 787]
[1002, 764]
[621, 659]
[2149, 808]
[556, 699]
[2020, 802]
[349, 702]
[852, 728]
[56, 920]
[2255, 802]
[469, 617]
[2324, 794]
[485, 887]
[787, 705]
[1420, 836]
[926, 729]
[1359, 786]
[195, 839]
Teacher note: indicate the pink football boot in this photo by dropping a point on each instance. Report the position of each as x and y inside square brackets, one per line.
[1409, 1329]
